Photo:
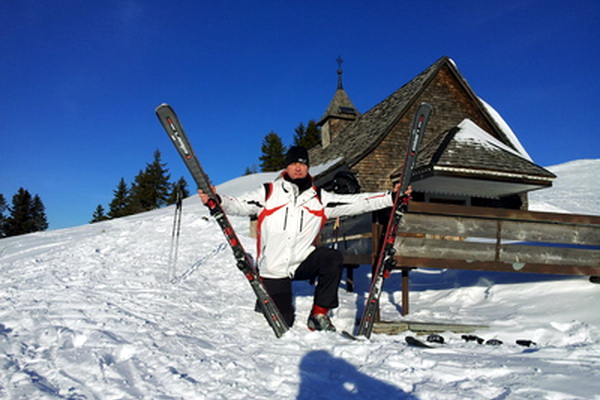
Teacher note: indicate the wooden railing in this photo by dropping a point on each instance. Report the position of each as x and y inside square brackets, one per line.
[482, 238]
[492, 239]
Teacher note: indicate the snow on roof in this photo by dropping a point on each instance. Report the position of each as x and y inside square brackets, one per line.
[453, 63]
[318, 169]
[471, 132]
[506, 130]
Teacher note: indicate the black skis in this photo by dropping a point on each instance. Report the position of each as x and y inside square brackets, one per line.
[435, 341]
[385, 261]
[171, 123]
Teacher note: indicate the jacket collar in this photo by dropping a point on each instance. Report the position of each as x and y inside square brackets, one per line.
[292, 190]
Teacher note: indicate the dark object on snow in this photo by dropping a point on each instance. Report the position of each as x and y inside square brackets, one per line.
[174, 250]
[526, 343]
[595, 279]
[412, 341]
[472, 338]
[494, 342]
[435, 338]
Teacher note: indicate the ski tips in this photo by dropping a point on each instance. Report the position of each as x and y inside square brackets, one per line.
[426, 105]
[424, 109]
[163, 105]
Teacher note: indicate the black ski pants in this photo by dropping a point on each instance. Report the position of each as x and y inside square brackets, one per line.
[325, 265]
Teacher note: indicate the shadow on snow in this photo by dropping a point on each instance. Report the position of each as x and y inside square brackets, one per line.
[326, 377]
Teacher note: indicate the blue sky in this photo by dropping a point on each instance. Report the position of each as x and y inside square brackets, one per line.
[79, 80]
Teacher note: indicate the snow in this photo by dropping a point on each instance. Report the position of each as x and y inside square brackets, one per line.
[503, 125]
[575, 189]
[471, 132]
[90, 313]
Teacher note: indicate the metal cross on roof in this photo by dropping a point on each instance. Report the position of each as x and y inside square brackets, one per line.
[339, 72]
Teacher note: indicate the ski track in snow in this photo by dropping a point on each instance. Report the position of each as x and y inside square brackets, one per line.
[91, 313]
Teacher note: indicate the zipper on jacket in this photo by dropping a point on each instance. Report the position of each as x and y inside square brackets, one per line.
[285, 219]
[301, 219]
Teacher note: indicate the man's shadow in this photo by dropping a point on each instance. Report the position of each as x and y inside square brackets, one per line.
[326, 377]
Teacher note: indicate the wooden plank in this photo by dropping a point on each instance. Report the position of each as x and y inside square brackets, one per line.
[346, 238]
[449, 226]
[551, 233]
[445, 249]
[496, 266]
[475, 252]
[549, 255]
[506, 230]
[395, 327]
[501, 213]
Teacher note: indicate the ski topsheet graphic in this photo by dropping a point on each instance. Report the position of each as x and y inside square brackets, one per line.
[385, 261]
[170, 122]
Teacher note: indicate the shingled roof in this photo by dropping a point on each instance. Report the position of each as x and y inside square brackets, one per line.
[369, 128]
[468, 152]
[453, 100]
[340, 107]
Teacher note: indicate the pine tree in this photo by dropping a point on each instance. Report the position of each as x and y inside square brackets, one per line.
[19, 220]
[119, 205]
[180, 185]
[39, 220]
[27, 214]
[273, 150]
[99, 215]
[151, 187]
[251, 170]
[139, 194]
[3, 207]
[150, 190]
[307, 137]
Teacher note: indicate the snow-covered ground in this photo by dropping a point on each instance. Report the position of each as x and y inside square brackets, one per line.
[576, 189]
[90, 313]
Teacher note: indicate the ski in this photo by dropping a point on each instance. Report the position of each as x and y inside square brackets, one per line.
[385, 260]
[348, 335]
[434, 341]
[170, 122]
[414, 342]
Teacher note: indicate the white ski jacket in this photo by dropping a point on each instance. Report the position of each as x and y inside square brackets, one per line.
[289, 222]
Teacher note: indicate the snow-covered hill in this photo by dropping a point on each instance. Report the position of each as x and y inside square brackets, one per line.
[576, 189]
[90, 313]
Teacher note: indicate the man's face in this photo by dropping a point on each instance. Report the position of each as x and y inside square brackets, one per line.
[297, 170]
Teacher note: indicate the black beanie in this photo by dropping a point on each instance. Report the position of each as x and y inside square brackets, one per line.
[296, 154]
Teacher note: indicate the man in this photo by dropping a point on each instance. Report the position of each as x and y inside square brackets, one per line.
[291, 213]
